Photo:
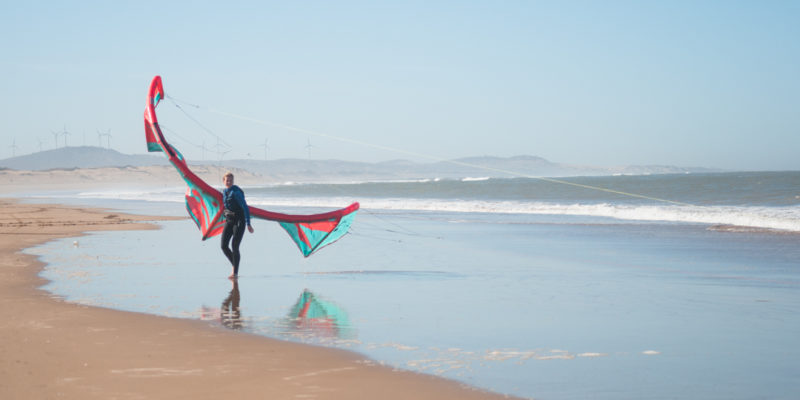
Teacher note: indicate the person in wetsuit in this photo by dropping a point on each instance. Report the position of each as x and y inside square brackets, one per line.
[237, 216]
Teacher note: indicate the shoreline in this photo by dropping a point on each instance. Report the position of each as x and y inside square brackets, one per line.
[52, 348]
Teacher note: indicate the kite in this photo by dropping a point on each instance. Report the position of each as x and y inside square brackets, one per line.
[205, 205]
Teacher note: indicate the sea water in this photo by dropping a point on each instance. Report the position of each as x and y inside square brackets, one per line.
[520, 286]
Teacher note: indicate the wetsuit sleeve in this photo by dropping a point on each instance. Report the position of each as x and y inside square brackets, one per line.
[243, 204]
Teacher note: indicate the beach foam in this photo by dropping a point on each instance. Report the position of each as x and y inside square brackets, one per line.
[723, 217]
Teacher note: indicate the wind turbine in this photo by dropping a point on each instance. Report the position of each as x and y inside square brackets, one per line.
[65, 133]
[266, 147]
[222, 155]
[221, 148]
[40, 143]
[309, 146]
[14, 148]
[100, 137]
[55, 137]
[204, 148]
[218, 146]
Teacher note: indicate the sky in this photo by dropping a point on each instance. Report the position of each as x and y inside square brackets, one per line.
[687, 83]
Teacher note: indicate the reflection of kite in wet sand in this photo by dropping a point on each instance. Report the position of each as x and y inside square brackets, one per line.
[205, 206]
[319, 317]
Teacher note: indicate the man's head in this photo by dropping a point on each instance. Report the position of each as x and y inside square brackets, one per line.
[227, 179]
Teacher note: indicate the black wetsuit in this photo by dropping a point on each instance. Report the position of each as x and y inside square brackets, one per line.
[237, 217]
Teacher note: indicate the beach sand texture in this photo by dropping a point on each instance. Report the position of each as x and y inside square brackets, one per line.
[52, 349]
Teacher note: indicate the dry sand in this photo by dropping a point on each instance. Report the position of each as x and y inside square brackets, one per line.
[52, 349]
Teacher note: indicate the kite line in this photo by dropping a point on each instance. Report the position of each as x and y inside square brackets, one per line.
[421, 155]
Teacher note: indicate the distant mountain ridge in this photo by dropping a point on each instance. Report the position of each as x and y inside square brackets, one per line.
[302, 169]
[79, 157]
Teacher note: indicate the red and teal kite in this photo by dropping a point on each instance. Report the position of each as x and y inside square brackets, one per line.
[205, 206]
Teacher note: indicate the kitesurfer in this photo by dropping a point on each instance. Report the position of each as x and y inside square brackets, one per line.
[237, 216]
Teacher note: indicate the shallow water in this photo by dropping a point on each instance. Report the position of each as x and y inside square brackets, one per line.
[551, 308]
[735, 200]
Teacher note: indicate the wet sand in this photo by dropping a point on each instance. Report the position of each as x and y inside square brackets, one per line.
[53, 349]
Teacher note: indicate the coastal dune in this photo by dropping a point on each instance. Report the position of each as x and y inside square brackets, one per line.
[54, 349]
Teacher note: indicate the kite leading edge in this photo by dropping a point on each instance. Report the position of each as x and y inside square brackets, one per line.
[205, 206]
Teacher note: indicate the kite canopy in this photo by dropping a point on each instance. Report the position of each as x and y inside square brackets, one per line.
[205, 205]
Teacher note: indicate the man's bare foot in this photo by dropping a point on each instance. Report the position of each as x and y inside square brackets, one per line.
[233, 277]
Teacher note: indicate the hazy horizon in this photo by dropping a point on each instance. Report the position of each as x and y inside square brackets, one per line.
[124, 159]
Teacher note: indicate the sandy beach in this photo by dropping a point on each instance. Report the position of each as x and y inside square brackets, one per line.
[53, 349]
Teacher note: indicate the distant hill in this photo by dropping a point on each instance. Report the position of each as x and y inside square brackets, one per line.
[79, 157]
[335, 170]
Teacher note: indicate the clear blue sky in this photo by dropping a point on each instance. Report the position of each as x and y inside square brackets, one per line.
[688, 83]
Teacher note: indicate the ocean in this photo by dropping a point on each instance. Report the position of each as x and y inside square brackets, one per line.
[619, 287]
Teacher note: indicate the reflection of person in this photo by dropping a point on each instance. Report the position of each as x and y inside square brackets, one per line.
[230, 314]
[237, 216]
